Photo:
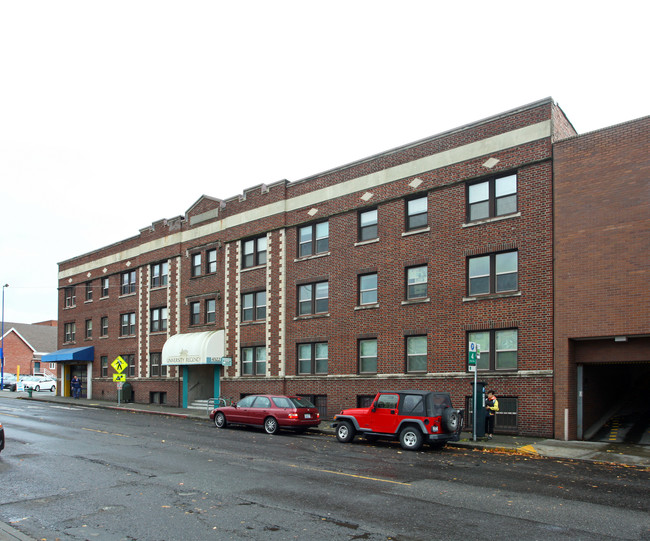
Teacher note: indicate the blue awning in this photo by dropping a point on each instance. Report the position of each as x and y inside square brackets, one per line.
[70, 354]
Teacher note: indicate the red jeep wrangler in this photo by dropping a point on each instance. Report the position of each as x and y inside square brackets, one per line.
[413, 417]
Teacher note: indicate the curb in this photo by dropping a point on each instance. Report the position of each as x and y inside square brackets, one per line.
[7, 533]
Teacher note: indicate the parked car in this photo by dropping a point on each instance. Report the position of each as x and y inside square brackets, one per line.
[9, 382]
[269, 411]
[412, 417]
[39, 383]
[2, 437]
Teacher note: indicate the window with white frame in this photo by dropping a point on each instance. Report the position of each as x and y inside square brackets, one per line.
[103, 329]
[368, 289]
[416, 353]
[416, 282]
[89, 329]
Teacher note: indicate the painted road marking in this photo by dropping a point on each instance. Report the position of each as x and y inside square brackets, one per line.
[352, 475]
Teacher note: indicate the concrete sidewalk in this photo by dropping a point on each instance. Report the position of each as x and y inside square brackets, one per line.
[618, 453]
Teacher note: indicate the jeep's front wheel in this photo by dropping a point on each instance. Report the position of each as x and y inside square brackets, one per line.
[410, 438]
[345, 432]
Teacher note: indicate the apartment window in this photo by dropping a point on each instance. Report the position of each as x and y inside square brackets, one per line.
[368, 289]
[128, 282]
[368, 356]
[493, 273]
[254, 252]
[196, 265]
[159, 274]
[89, 328]
[105, 287]
[416, 213]
[155, 365]
[498, 349]
[70, 297]
[127, 324]
[69, 332]
[253, 361]
[158, 319]
[103, 362]
[312, 358]
[254, 306]
[416, 282]
[89, 291]
[313, 298]
[491, 198]
[195, 313]
[416, 353]
[313, 239]
[130, 360]
[211, 261]
[210, 311]
[103, 330]
[368, 225]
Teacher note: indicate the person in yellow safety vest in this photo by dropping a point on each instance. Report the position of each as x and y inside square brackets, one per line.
[492, 406]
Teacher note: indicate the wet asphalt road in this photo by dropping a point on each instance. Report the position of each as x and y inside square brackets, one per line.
[78, 473]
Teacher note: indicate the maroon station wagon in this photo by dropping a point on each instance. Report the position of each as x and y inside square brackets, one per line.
[269, 411]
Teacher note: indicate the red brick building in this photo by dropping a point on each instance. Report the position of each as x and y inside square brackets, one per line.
[602, 277]
[25, 344]
[376, 274]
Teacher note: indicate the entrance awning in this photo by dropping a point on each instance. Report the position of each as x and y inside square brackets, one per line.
[194, 348]
[70, 354]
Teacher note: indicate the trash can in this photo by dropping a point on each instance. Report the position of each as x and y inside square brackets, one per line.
[127, 392]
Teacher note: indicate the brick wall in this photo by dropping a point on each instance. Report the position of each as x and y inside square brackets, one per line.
[602, 261]
[383, 182]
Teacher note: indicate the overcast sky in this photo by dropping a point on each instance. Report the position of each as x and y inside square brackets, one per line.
[116, 114]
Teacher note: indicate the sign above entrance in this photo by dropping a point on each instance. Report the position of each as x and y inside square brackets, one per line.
[194, 348]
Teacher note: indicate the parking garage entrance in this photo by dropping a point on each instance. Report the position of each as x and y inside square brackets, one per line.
[612, 393]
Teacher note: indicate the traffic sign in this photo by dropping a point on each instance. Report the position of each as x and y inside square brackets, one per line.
[119, 377]
[472, 354]
[119, 365]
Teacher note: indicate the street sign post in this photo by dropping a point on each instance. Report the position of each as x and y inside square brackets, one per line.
[119, 365]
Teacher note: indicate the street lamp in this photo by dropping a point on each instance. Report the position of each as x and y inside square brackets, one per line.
[2, 347]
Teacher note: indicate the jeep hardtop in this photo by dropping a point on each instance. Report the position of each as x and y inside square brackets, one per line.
[411, 416]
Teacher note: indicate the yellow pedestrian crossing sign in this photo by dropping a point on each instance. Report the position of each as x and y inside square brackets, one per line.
[119, 377]
[119, 365]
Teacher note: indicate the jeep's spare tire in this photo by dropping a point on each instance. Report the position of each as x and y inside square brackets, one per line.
[451, 419]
